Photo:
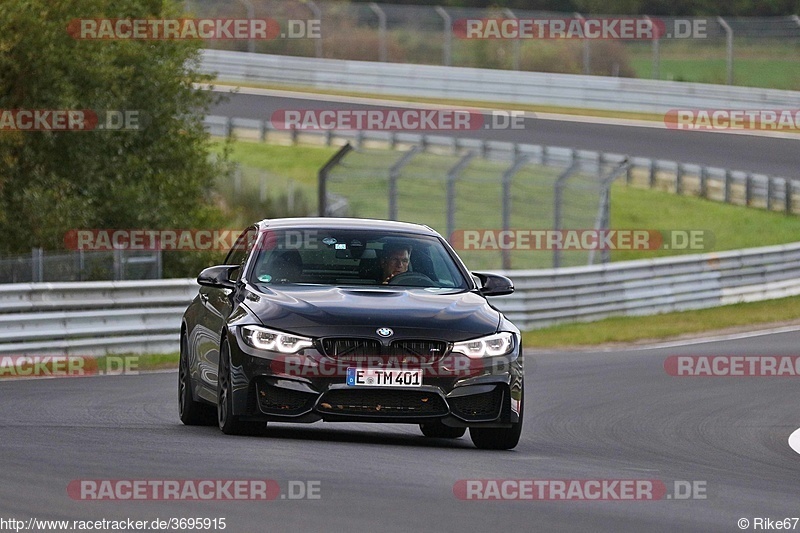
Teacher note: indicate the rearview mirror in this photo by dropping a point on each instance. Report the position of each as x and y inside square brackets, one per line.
[494, 284]
[218, 277]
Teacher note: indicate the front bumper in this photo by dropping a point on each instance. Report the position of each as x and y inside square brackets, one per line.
[307, 387]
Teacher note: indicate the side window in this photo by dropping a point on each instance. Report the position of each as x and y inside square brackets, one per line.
[241, 249]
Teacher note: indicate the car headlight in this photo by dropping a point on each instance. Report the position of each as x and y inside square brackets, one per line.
[274, 341]
[490, 346]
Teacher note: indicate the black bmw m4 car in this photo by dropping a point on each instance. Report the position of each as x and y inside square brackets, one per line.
[351, 320]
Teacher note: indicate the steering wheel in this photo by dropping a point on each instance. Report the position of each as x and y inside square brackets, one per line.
[416, 279]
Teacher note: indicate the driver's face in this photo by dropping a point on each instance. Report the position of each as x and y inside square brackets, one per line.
[396, 263]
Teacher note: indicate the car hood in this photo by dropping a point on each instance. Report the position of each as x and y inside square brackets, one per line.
[448, 314]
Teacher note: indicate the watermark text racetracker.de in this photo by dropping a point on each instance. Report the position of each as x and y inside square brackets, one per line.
[55, 366]
[155, 29]
[593, 28]
[396, 119]
[732, 365]
[733, 119]
[579, 489]
[151, 239]
[56, 120]
[186, 240]
[193, 490]
[581, 239]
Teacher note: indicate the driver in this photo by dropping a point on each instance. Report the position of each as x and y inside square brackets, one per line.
[395, 260]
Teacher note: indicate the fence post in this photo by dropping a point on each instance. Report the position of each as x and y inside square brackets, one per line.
[748, 189]
[251, 15]
[322, 178]
[603, 218]
[118, 268]
[557, 194]
[316, 12]
[728, 177]
[656, 72]
[586, 53]
[382, 54]
[729, 47]
[516, 43]
[769, 193]
[679, 179]
[506, 181]
[704, 182]
[452, 176]
[601, 160]
[37, 265]
[394, 174]
[262, 130]
[653, 170]
[447, 46]
[788, 190]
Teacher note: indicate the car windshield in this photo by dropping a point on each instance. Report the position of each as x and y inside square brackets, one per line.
[350, 257]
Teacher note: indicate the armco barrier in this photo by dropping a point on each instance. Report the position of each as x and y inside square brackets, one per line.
[489, 85]
[139, 317]
[93, 318]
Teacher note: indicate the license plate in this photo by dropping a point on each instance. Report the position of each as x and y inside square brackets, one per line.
[379, 377]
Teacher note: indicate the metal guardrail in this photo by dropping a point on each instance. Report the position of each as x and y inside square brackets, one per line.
[487, 85]
[653, 286]
[433, 35]
[93, 318]
[138, 317]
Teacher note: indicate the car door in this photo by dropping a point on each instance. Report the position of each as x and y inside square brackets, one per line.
[218, 304]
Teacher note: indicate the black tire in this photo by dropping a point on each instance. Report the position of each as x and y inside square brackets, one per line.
[227, 421]
[437, 430]
[498, 438]
[190, 411]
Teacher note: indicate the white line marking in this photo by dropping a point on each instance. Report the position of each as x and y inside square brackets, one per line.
[794, 440]
[720, 338]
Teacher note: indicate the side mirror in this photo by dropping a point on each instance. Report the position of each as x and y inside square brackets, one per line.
[494, 284]
[218, 277]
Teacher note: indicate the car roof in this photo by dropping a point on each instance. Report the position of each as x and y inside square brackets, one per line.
[345, 223]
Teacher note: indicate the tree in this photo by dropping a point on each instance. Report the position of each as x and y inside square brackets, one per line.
[159, 176]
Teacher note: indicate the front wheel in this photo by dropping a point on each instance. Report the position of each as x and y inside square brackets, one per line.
[498, 438]
[227, 421]
[191, 412]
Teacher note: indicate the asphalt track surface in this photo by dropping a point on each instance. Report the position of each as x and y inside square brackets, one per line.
[603, 415]
[774, 156]
[589, 415]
